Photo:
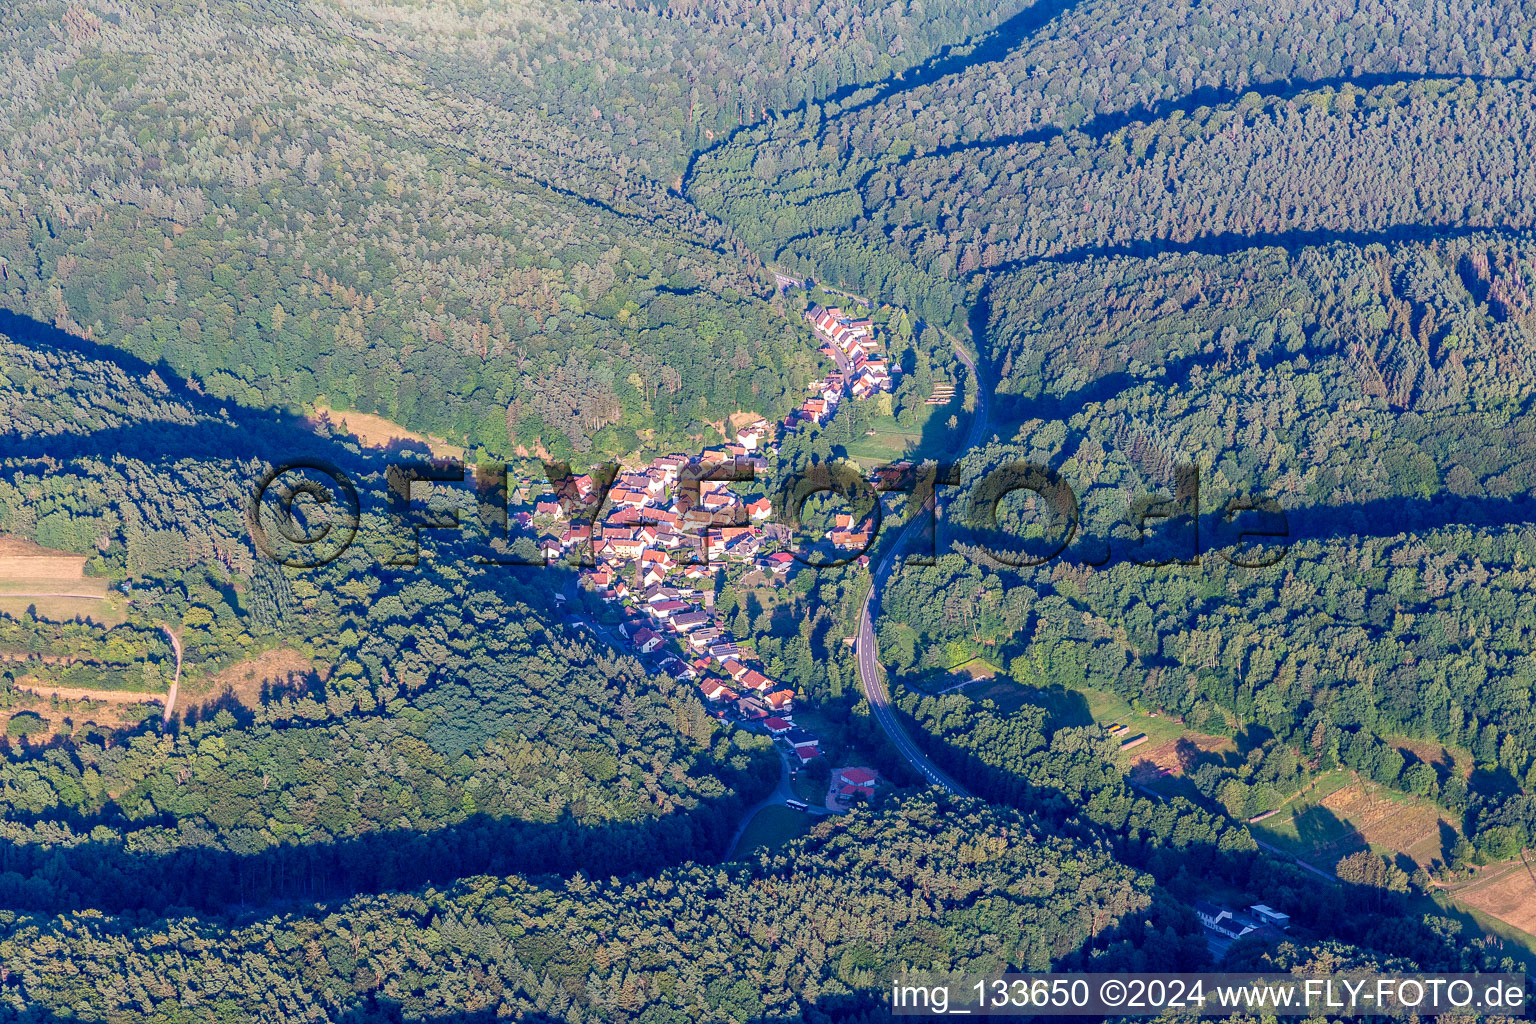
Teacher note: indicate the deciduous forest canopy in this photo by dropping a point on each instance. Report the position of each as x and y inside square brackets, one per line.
[1290, 245]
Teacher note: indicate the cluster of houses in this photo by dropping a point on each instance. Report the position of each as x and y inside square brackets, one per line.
[668, 527]
[861, 369]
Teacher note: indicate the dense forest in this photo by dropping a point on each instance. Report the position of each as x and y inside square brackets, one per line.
[456, 714]
[1030, 757]
[282, 249]
[806, 933]
[1080, 140]
[1278, 256]
[1376, 396]
[1204, 255]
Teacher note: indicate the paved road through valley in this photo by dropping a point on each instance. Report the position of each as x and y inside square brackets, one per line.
[865, 648]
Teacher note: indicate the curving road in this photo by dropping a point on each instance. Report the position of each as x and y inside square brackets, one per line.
[170, 698]
[865, 648]
[782, 794]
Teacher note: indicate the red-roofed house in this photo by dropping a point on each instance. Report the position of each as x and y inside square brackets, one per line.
[648, 640]
[780, 700]
[857, 776]
[667, 609]
[756, 681]
[714, 689]
[850, 541]
[780, 562]
[776, 726]
[628, 499]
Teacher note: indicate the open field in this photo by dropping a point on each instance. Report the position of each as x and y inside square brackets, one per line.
[1394, 821]
[741, 419]
[280, 669]
[983, 684]
[1173, 757]
[54, 584]
[1344, 814]
[1441, 757]
[773, 826]
[62, 609]
[975, 669]
[805, 789]
[1109, 709]
[378, 432]
[890, 441]
[1081, 706]
[1305, 828]
[26, 569]
[1506, 892]
[72, 693]
[67, 710]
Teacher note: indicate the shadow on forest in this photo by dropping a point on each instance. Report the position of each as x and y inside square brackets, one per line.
[1207, 96]
[1329, 837]
[1230, 242]
[994, 46]
[1174, 534]
[1189, 868]
[225, 429]
[105, 876]
[102, 874]
[1173, 537]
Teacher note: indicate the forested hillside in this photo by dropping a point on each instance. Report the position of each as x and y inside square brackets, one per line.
[1288, 245]
[457, 727]
[456, 216]
[656, 83]
[808, 933]
[1079, 140]
[199, 189]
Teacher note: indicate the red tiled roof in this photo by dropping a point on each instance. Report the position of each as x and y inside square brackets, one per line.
[857, 776]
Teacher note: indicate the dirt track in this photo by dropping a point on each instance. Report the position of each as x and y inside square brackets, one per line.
[85, 693]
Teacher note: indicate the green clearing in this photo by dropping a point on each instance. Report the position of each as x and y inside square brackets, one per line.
[1388, 822]
[811, 792]
[109, 612]
[1009, 696]
[1110, 709]
[773, 826]
[890, 441]
[1077, 706]
[1304, 827]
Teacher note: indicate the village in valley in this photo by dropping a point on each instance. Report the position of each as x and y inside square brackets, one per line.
[653, 546]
